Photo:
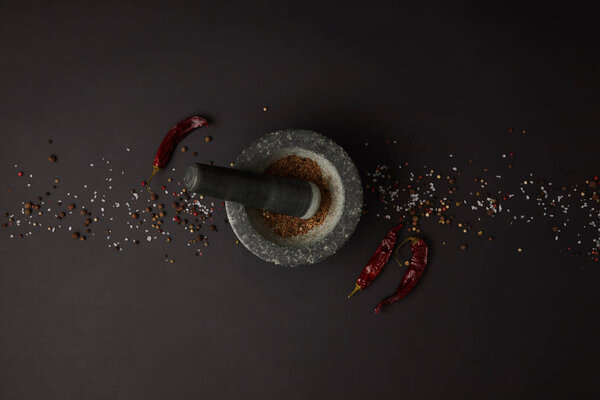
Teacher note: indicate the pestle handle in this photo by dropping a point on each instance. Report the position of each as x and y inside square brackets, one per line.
[272, 193]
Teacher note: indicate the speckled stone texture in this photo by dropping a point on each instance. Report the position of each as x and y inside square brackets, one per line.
[346, 206]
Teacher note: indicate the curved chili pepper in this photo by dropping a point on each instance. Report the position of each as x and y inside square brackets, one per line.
[377, 260]
[175, 135]
[417, 265]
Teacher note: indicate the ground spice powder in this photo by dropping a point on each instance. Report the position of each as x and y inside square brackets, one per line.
[307, 170]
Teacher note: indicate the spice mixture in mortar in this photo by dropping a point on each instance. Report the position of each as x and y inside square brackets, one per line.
[307, 170]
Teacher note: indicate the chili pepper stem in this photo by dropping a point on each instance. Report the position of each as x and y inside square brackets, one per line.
[155, 169]
[411, 239]
[356, 289]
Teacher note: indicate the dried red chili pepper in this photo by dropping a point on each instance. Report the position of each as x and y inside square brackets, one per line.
[417, 265]
[377, 260]
[175, 135]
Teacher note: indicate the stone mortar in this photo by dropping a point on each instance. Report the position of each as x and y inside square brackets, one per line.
[346, 199]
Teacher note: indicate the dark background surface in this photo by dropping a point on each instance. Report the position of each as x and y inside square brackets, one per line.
[80, 321]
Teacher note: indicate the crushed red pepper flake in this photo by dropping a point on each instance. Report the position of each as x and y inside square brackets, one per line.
[304, 169]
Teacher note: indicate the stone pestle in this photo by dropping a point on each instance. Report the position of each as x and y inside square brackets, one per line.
[272, 193]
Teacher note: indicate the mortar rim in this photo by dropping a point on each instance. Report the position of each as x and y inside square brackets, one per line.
[312, 253]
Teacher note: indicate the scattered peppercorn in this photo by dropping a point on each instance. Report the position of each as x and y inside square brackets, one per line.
[463, 246]
[71, 206]
[207, 139]
[52, 158]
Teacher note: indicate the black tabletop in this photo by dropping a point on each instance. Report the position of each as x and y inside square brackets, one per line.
[395, 84]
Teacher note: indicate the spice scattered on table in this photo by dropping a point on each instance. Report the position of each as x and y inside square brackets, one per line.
[127, 212]
[480, 195]
[447, 195]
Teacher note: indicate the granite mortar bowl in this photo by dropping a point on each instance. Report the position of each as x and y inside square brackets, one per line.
[344, 213]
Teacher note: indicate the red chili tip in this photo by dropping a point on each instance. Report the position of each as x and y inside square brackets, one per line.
[164, 187]
[143, 183]
[20, 173]
[485, 170]
[511, 154]
[596, 177]
[596, 259]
